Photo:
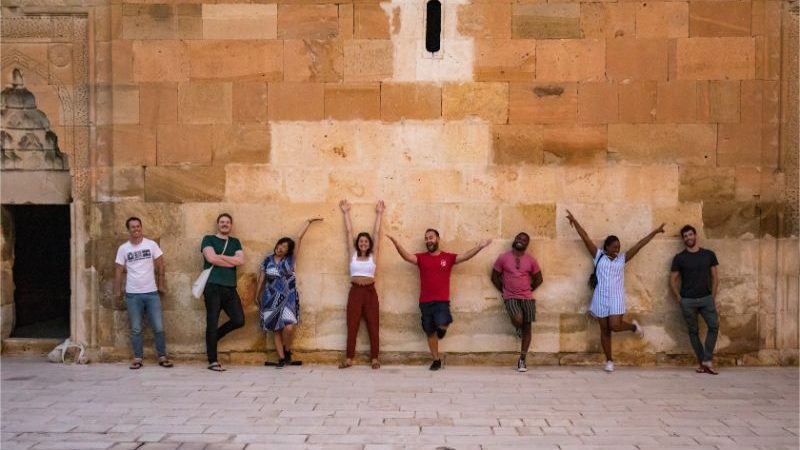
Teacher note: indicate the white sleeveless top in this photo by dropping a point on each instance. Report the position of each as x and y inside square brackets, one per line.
[362, 268]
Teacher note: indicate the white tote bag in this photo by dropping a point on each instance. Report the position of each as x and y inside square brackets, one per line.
[199, 284]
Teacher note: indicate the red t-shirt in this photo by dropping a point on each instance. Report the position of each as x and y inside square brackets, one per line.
[434, 276]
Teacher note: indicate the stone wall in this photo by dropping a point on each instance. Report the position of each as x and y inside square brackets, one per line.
[628, 113]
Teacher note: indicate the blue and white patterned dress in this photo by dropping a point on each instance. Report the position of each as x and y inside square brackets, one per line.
[609, 295]
[280, 303]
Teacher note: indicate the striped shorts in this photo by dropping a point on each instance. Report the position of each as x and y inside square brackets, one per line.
[527, 307]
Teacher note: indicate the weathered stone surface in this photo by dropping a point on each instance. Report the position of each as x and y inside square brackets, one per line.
[253, 183]
[134, 145]
[160, 61]
[718, 19]
[240, 21]
[505, 59]
[685, 143]
[543, 103]
[353, 101]
[158, 103]
[608, 20]
[249, 102]
[706, 183]
[723, 100]
[715, 58]
[410, 101]
[739, 144]
[241, 143]
[662, 20]
[184, 184]
[284, 102]
[598, 103]
[489, 101]
[125, 105]
[637, 59]
[161, 21]
[313, 60]
[205, 103]
[368, 60]
[370, 21]
[182, 144]
[346, 21]
[538, 220]
[637, 101]
[517, 144]
[485, 20]
[307, 21]
[738, 219]
[676, 216]
[575, 145]
[676, 102]
[122, 67]
[236, 59]
[546, 21]
[571, 60]
[124, 183]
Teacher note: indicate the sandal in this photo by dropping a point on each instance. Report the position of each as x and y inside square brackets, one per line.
[165, 363]
[345, 365]
[709, 370]
[700, 369]
[135, 365]
[376, 365]
[216, 367]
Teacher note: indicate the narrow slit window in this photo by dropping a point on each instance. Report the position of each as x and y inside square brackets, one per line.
[433, 26]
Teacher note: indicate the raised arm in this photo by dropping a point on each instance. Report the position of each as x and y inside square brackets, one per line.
[344, 205]
[403, 253]
[302, 233]
[635, 249]
[466, 256]
[582, 233]
[376, 230]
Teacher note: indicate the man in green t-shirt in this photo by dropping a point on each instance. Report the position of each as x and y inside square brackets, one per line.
[224, 253]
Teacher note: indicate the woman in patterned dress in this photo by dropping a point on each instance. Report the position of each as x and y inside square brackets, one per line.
[276, 294]
[608, 299]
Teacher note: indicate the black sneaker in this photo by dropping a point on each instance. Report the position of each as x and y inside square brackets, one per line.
[288, 357]
[436, 364]
[281, 364]
[521, 367]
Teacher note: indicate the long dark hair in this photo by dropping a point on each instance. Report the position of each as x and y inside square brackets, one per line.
[369, 238]
[285, 240]
[610, 239]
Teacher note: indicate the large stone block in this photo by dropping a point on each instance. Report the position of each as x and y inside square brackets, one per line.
[354, 184]
[184, 144]
[120, 183]
[676, 102]
[571, 60]
[676, 216]
[184, 184]
[314, 182]
[505, 59]
[578, 333]
[546, 21]
[598, 103]
[236, 60]
[161, 21]
[723, 101]
[158, 103]
[308, 21]
[313, 60]
[662, 20]
[420, 101]
[205, 103]
[485, 20]
[608, 20]
[730, 58]
[538, 220]
[107, 226]
[368, 60]
[125, 104]
[543, 103]
[249, 101]
[738, 334]
[739, 219]
[767, 29]
[706, 183]
[240, 21]
[285, 103]
[330, 144]
[575, 145]
[489, 101]
[422, 185]
[718, 19]
[160, 61]
[656, 185]
[739, 144]
[353, 101]
[241, 143]
[637, 59]
[597, 218]
[134, 145]
[517, 144]
[685, 143]
[637, 101]
[122, 67]
[370, 21]
[346, 22]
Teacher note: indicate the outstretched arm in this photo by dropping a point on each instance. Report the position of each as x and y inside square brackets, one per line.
[582, 233]
[344, 205]
[403, 253]
[473, 251]
[635, 249]
[302, 233]
[376, 230]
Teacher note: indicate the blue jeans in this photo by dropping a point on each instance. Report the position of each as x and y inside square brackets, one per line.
[706, 308]
[138, 305]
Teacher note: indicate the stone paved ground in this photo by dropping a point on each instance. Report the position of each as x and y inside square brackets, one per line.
[100, 406]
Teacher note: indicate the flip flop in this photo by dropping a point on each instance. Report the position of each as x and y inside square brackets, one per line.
[165, 363]
[710, 370]
[216, 367]
[136, 365]
[700, 370]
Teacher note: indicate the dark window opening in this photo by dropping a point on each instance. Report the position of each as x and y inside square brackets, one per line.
[433, 26]
[41, 270]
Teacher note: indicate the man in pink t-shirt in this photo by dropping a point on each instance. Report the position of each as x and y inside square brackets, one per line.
[517, 274]
[435, 267]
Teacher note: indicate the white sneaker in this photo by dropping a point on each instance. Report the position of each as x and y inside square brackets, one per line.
[639, 331]
[609, 366]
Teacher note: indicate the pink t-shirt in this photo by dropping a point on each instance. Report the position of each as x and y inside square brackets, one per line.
[516, 275]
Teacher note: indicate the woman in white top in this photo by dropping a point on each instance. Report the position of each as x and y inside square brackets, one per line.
[608, 300]
[362, 301]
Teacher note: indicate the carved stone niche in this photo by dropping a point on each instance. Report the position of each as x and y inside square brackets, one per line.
[34, 170]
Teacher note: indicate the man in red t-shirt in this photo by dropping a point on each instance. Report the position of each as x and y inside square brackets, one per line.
[517, 274]
[435, 267]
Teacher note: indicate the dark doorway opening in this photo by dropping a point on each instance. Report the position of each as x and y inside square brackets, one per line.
[41, 270]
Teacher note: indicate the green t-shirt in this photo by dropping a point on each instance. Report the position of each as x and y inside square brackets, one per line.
[223, 276]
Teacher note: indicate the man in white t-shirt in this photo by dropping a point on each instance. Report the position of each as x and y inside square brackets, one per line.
[141, 259]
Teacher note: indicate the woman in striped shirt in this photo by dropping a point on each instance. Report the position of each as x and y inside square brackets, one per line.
[608, 300]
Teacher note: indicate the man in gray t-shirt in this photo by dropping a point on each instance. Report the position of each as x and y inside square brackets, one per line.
[694, 282]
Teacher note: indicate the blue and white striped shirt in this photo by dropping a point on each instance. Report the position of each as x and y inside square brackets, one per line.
[609, 295]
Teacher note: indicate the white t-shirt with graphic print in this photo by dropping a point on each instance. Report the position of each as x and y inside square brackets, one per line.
[138, 261]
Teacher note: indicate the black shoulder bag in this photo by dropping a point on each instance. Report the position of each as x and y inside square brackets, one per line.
[593, 276]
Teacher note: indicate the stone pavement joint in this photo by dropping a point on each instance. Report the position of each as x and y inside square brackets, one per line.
[106, 406]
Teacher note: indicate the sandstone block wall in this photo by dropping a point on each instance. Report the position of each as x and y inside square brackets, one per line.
[627, 113]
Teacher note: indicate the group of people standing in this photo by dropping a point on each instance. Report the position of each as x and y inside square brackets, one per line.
[515, 273]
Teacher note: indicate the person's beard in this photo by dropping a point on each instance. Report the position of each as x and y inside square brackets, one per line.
[432, 247]
[519, 246]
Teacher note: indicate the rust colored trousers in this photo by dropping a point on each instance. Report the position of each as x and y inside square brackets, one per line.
[362, 302]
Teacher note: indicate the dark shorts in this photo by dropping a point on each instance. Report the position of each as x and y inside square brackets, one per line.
[435, 315]
[515, 306]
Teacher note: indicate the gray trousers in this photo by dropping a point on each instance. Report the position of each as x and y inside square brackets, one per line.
[705, 307]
